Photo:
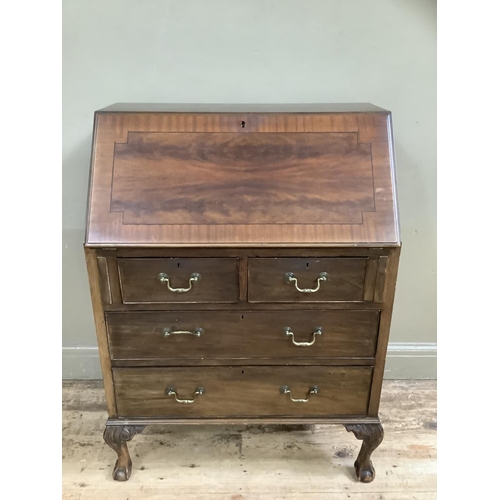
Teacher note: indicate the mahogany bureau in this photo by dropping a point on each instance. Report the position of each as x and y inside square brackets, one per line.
[242, 263]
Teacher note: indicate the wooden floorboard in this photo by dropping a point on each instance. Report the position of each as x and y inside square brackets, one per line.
[249, 463]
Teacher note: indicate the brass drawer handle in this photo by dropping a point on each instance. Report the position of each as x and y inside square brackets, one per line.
[167, 332]
[195, 278]
[290, 278]
[289, 333]
[284, 389]
[172, 391]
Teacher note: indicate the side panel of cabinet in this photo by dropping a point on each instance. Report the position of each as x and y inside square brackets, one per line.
[386, 274]
[95, 283]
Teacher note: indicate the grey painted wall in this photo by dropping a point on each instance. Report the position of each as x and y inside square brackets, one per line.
[242, 51]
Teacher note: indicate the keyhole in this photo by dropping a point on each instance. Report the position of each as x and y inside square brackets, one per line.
[307, 265]
[243, 372]
[243, 317]
[243, 124]
[178, 265]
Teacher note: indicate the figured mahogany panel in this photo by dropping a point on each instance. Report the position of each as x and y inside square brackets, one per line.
[237, 179]
[242, 391]
[244, 179]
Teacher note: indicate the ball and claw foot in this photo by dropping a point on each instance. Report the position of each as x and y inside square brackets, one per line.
[122, 472]
[372, 435]
[116, 437]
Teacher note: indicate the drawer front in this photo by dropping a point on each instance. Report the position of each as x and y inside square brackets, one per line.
[242, 391]
[242, 334]
[160, 281]
[320, 279]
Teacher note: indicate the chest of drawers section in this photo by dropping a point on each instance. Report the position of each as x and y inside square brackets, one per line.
[230, 337]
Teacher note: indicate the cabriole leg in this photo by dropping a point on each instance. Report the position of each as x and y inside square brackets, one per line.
[372, 435]
[116, 437]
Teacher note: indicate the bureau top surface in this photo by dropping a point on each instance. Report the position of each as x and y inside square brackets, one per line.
[242, 175]
[123, 107]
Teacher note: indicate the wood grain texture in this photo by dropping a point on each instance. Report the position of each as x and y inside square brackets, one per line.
[252, 420]
[243, 277]
[370, 277]
[282, 179]
[388, 294]
[244, 335]
[231, 178]
[233, 462]
[239, 306]
[100, 326]
[140, 285]
[380, 282]
[104, 280]
[266, 279]
[242, 391]
[240, 252]
[114, 278]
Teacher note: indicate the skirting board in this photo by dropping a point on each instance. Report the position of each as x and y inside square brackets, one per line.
[404, 361]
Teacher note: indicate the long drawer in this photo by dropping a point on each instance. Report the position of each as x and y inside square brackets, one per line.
[242, 391]
[242, 334]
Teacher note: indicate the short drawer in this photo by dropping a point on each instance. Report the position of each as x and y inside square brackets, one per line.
[306, 280]
[148, 281]
[244, 391]
[242, 334]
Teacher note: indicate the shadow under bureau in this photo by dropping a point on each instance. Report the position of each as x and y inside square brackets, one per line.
[242, 264]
